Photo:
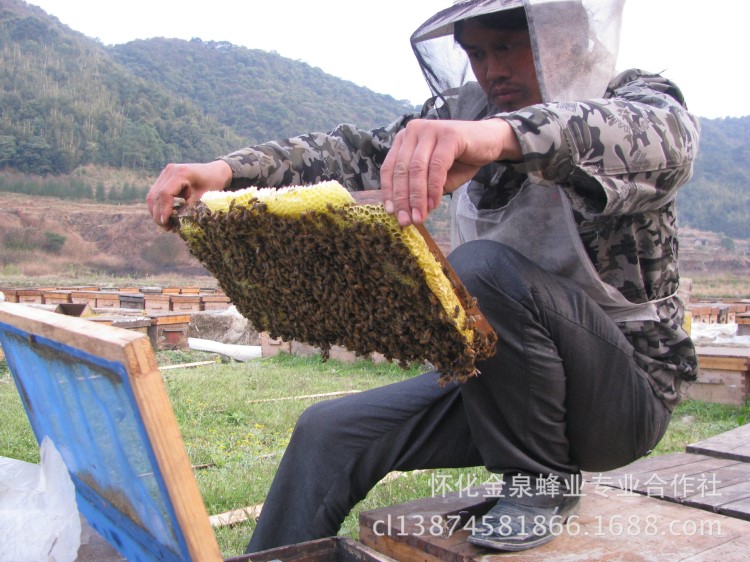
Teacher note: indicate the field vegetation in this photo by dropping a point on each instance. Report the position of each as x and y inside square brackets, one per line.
[236, 420]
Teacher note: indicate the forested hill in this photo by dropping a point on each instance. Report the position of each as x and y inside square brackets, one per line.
[69, 103]
[260, 95]
[717, 198]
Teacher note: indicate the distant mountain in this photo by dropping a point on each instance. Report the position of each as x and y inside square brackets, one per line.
[717, 198]
[73, 108]
[260, 95]
[67, 101]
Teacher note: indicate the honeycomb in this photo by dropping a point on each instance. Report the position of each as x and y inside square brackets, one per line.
[309, 264]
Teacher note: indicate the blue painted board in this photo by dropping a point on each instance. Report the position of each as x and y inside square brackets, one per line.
[86, 404]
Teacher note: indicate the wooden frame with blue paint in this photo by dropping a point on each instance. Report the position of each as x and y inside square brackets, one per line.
[97, 392]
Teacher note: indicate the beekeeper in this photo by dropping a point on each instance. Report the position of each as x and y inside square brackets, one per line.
[563, 178]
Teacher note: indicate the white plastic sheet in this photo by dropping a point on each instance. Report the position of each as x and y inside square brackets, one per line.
[39, 519]
[713, 334]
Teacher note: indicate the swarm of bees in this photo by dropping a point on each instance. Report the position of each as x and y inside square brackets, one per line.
[337, 274]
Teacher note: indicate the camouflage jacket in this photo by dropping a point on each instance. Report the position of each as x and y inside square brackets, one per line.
[620, 159]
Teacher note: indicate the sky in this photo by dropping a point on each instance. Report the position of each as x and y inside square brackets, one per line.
[368, 42]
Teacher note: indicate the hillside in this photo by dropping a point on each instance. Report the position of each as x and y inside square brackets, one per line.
[717, 198]
[64, 102]
[67, 101]
[46, 237]
[94, 125]
[260, 95]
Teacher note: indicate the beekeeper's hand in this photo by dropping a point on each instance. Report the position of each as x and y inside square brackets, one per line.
[188, 181]
[431, 157]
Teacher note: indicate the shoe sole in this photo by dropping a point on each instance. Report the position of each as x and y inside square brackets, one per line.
[518, 547]
[510, 547]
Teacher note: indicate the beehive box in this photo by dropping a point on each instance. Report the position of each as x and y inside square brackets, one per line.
[331, 549]
[186, 303]
[11, 295]
[30, 296]
[169, 330]
[273, 346]
[215, 302]
[132, 300]
[128, 289]
[157, 302]
[55, 297]
[84, 297]
[723, 375]
[136, 323]
[743, 324]
[190, 290]
[106, 299]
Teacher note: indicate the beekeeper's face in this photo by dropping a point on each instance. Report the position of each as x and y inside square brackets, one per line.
[503, 64]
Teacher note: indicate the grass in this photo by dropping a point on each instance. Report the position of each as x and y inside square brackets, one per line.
[230, 424]
[719, 285]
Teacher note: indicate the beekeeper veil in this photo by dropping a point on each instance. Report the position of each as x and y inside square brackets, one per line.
[574, 43]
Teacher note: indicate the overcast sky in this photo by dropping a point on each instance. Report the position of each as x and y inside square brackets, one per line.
[702, 46]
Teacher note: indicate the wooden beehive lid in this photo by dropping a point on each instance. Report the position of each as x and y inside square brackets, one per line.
[186, 298]
[85, 292]
[29, 292]
[161, 318]
[107, 296]
[56, 292]
[122, 320]
[150, 290]
[157, 297]
[215, 298]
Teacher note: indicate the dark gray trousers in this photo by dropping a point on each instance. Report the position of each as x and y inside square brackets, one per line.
[562, 394]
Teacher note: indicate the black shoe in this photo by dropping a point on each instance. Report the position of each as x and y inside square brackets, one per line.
[512, 526]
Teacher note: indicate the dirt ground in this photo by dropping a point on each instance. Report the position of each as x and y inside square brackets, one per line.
[123, 240]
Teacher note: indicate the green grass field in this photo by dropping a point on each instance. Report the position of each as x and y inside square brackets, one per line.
[236, 428]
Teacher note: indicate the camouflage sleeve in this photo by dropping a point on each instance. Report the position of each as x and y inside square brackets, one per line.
[347, 154]
[625, 153]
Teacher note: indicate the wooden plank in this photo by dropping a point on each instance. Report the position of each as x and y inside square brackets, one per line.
[235, 516]
[618, 527]
[730, 497]
[674, 483]
[330, 549]
[733, 444]
[188, 365]
[720, 351]
[133, 478]
[714, 484]
[726, 363]
[654, 464]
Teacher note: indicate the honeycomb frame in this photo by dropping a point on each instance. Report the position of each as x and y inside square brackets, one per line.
[338, 274]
